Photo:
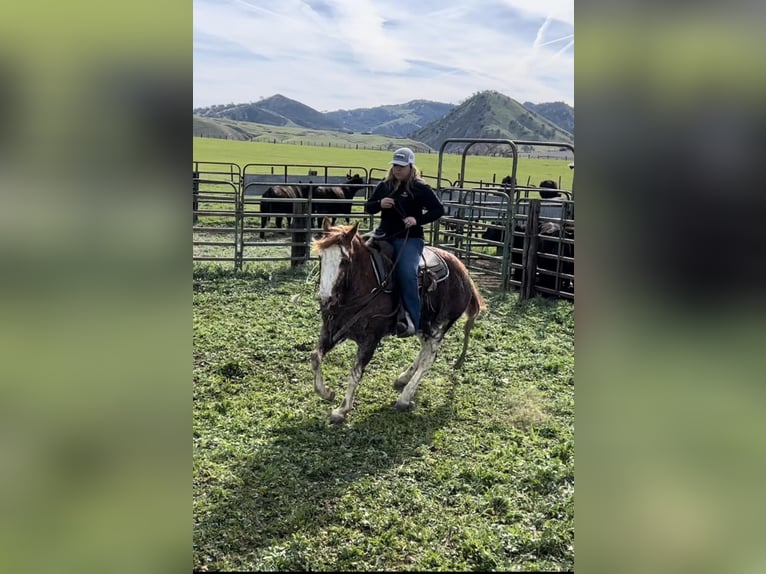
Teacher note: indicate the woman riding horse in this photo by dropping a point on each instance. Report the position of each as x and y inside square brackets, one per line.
[406, 203]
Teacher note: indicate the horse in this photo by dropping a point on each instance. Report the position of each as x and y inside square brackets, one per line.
[356, 305]
[279, 192]
[345, 192]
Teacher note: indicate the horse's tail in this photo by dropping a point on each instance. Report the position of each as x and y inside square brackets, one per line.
[476, 305]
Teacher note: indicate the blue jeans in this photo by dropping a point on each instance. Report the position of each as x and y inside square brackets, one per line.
[407, 274]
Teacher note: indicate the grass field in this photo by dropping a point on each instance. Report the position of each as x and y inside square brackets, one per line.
[478, 168]
[479, 476]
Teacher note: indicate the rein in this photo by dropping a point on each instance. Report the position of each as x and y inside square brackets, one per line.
[365, 300]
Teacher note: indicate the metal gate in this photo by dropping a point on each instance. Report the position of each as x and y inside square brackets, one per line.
[505, 234]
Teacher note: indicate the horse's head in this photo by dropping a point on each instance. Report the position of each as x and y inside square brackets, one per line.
[335, 249]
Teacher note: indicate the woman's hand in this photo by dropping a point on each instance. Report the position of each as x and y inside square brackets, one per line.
[410, 221]
[386, 203]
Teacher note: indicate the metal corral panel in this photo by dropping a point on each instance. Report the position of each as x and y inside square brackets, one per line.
[256, 184]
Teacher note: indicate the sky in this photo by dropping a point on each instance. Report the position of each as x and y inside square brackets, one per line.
[346, 54]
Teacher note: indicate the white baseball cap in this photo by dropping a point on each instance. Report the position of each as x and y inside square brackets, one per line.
[403, 156]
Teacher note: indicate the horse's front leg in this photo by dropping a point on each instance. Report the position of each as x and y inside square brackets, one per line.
[364, 352]
[323, 347]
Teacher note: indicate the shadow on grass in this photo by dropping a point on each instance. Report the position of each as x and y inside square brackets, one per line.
[294, 483]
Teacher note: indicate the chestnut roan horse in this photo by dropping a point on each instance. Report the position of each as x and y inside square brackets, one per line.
[354, 306]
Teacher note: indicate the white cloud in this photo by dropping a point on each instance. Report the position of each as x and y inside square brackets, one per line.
[562, 10]
[333, 54]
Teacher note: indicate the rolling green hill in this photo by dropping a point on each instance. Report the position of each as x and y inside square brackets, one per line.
[559, 113]
[276, 110]
[491, 114]
[397, 120]
[486, 114]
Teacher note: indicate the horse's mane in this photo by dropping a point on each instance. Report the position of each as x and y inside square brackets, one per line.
[337, 234]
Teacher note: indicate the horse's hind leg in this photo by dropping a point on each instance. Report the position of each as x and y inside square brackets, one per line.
[364, 352]
[406, 376]
[466, 335]
[415, 373]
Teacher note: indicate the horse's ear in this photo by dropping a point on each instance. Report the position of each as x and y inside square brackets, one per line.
[326, 224]
[352, 230]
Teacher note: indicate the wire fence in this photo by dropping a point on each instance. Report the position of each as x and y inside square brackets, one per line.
[390, 146]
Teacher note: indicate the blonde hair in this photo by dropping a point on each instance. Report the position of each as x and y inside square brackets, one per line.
[414, 175]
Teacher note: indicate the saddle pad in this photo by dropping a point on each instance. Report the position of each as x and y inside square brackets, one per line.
[433, 264]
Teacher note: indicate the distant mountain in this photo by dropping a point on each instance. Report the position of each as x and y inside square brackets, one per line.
[492, 115]
[396, 120]
[275, 111]
[486, 114]
[559, 113]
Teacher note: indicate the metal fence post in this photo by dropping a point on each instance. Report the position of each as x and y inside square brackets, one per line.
[529, 257]
[195, 195]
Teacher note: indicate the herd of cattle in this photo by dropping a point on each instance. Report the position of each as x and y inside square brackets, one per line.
[309, 190]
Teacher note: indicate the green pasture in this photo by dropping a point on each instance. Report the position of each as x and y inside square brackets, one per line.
[479, 476]
[478, 168]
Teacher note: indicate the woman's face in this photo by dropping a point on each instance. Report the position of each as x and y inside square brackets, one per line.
[401, 172]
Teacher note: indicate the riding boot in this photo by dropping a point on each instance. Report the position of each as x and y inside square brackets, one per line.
[405, 327]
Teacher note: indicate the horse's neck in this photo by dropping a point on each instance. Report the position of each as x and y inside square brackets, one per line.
[358, 282]
[362, 276]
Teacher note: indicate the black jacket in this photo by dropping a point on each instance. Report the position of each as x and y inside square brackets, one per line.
[420, 202]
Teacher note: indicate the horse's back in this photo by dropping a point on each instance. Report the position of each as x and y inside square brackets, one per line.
[328, 192]
[458, 289]
[454, 264]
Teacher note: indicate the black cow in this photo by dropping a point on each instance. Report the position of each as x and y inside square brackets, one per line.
[345, 192]
[279, 192]
[550, 236]
[549, 190]
[551, 243]
[517, 243]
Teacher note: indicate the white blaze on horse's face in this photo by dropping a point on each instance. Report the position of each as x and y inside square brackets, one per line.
[330, 270]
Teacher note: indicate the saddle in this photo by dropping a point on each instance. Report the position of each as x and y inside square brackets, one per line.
[432, 269]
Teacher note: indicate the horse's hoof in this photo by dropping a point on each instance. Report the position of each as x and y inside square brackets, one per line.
[337, 418]
[403, 406]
